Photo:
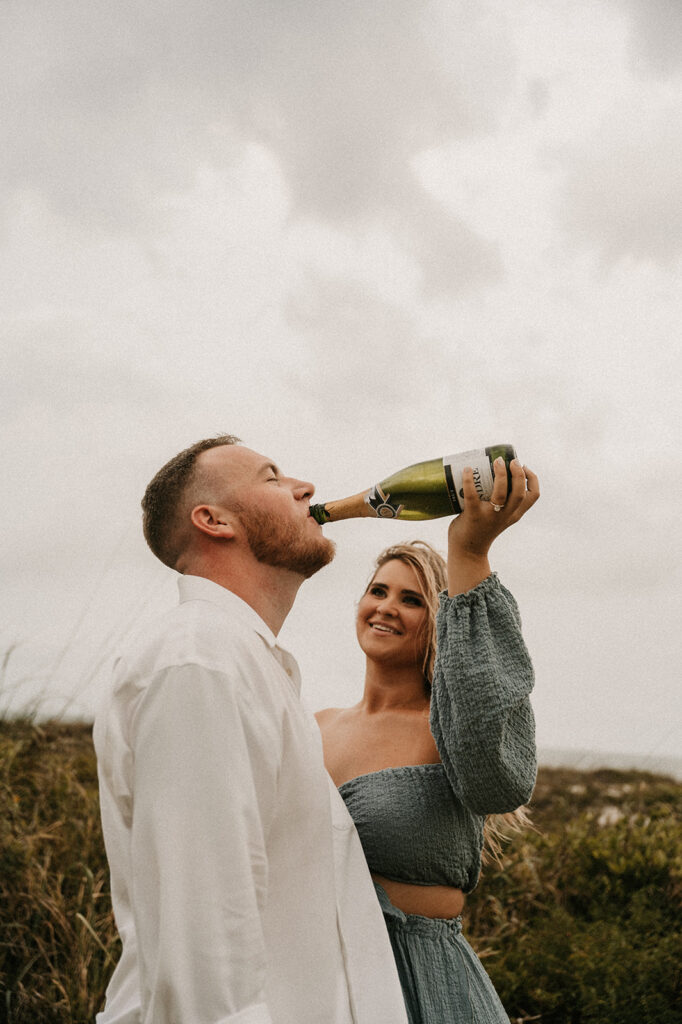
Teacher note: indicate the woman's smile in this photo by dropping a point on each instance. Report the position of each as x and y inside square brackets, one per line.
[383, 627]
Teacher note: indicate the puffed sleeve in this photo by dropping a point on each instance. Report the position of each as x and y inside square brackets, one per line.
[481, 716]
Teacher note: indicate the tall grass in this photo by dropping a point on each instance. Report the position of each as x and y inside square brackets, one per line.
[581, 925]
[58, 942]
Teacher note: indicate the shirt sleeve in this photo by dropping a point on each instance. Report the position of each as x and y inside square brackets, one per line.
[481, 716]
[204, 790]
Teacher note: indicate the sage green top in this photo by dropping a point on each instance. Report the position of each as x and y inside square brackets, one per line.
[424, 823]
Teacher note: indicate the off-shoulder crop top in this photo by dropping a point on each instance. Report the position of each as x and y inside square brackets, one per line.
[424, 823]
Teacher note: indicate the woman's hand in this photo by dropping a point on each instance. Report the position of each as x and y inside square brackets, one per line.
[473, 531]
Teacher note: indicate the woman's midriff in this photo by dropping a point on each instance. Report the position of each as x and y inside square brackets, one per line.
[426, 900]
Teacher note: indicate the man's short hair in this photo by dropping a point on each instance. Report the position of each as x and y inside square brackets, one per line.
[163, 505]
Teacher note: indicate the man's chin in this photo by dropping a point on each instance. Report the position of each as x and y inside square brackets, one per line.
[305, 561]
[287, 546]
[326, 554]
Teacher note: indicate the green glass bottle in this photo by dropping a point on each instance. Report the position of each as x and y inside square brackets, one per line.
[426, 490]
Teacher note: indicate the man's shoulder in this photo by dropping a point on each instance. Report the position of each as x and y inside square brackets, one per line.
[184, 646]
[193, 633]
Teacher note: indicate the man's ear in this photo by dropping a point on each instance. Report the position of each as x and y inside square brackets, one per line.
[213, 521]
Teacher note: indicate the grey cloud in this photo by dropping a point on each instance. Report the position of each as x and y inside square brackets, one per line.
[538, 95]
[358, 93]
[366, 352]
[656, 39]
[451, 255]
[623, 190]
[121, 102]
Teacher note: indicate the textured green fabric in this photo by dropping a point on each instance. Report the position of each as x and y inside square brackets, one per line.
[413, 828]
[481, 717]
[442, 979]
[424, 823]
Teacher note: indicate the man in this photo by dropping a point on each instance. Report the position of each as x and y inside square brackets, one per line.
[238, 882]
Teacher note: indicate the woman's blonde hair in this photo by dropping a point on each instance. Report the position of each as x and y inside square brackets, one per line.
[432, 573]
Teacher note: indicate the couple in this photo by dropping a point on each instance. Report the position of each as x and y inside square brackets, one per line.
[240, 880]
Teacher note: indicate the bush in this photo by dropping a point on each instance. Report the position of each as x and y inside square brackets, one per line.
[581, 925]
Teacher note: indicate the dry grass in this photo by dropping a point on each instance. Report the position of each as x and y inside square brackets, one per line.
[58, 941]
[581, 925]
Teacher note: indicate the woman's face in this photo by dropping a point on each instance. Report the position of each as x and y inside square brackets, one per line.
[392, 615]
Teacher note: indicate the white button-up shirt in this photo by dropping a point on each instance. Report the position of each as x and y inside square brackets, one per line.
[239, 885]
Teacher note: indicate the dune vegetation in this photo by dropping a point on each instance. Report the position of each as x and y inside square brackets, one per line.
[580, 924]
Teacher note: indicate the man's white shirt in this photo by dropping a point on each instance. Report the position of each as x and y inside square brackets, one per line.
[239, 886]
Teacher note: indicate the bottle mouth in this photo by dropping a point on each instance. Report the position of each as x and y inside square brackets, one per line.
[320, 514]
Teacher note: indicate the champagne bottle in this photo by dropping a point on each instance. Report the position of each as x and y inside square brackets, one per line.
[426, 490]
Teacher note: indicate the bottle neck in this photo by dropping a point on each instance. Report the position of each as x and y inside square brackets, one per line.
[354, 507]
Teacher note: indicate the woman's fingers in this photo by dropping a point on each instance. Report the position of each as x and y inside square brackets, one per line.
[517, 493]
[469, 491]
[498, 498]
[508, 503]
[526, 497]
[533, 491]
[472, 532]
[511, 498]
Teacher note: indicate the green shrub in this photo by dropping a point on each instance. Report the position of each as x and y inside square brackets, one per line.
[581, 925]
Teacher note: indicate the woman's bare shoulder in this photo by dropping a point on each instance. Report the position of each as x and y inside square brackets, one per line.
[327, 715]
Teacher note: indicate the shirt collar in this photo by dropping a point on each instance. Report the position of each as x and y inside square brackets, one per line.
[198, 588]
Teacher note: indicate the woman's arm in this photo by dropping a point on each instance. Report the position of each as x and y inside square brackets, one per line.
[481, 717]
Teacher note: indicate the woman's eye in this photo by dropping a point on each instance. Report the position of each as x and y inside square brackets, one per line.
[413, 600]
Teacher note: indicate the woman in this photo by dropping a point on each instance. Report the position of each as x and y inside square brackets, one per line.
[442, 738]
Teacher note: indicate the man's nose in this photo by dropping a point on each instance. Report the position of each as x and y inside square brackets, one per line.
[302, 489]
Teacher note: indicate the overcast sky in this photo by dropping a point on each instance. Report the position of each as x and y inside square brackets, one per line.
[358, 236]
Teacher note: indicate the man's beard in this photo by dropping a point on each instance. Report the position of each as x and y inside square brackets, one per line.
[284, 544]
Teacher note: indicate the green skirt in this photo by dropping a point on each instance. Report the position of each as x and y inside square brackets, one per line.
[443, 980]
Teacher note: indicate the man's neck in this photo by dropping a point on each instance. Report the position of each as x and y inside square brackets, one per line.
[270, 591]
